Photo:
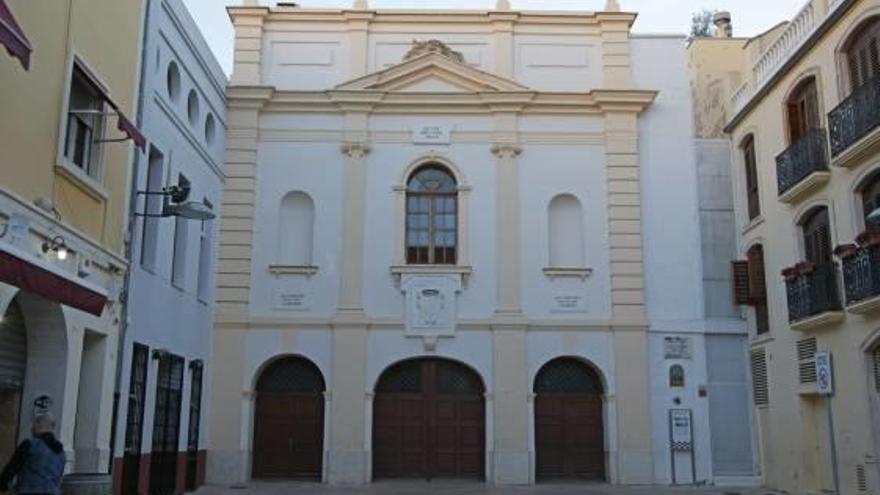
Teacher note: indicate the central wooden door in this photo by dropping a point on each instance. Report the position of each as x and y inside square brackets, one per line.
[429, 422]
[569, 433]
[289, 421]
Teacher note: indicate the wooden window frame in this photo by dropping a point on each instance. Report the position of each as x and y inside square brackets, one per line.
[753, 195]
[803, 113]
[411, 252]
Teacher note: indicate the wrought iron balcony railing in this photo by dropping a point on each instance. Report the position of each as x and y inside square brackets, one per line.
[813, 292]
[861, 274]
[855, 117]
[809, 154]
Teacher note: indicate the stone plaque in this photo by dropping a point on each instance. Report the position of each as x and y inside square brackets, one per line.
[677, 347]
[430, 304]
[291, 299]
[432, 134]
[569, 302]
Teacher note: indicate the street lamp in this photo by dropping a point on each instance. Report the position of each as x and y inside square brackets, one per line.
[178, 206]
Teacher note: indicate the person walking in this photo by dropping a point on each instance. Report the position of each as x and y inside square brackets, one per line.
[38, 463]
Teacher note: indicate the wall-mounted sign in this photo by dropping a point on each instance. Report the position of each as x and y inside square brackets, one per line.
[430, 304]
[680, 429]
[432, 134]
[677, 347]
[569, 302]
[291, 299]
[824, 373]
[42, 405]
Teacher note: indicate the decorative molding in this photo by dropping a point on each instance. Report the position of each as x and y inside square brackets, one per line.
[398, 271]
[865, 307]
[433, 46]
[568, 272]
[506, 150]
[355, 150]
[859, 152]
[307, 270]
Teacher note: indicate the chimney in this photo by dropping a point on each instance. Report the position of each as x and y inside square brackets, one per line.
[723, 27]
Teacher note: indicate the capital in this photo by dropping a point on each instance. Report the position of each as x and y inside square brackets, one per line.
[355, 150]
[506, 150]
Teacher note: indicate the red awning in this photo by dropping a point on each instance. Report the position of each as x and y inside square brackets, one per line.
[13, 38]
[25, 275]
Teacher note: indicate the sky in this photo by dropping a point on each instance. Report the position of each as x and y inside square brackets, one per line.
[750, 17]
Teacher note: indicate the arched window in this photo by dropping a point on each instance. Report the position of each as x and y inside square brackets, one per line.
[676, 376]
[431, 217]
[863, 54]
[870, 192]
[751, 163]
[803, 110]
[566, 236]
[816, 230]
[296, 229]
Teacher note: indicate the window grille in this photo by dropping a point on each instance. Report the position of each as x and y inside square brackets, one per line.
[567, 376]
[291, 376]
[403, 377]
[676, 376]
[453, 378]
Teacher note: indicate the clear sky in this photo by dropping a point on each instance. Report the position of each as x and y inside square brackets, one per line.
[750, 17]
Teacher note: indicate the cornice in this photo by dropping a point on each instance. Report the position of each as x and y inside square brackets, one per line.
[267, 99]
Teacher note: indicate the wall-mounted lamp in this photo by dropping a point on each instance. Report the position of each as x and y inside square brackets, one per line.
[178, 206]
[57, 246]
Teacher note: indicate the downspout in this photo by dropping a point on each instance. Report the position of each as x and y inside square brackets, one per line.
[125, 295]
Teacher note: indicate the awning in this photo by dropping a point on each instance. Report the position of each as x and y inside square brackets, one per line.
[49, 282]
[13, 38]
[128, 128]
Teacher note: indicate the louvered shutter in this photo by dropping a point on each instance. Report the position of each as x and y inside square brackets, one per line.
[760, 389]
[740, 281]
[806, 355]
[864, 55]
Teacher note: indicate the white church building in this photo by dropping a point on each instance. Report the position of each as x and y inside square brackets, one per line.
[468, 244]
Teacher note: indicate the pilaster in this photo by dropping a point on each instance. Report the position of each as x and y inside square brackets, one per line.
[235, 251]
[616, 63]
[502, 29]
[510, 406]
[248, 25]
[354, 188]
[358, 28]
[508, 228]
[348, 453]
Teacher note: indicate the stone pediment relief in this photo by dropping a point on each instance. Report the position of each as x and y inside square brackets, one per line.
[433, 46]
[431, 69]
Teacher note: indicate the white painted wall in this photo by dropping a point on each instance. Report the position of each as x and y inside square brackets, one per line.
[162, 315]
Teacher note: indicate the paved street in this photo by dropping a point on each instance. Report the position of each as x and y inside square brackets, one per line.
[464, 488]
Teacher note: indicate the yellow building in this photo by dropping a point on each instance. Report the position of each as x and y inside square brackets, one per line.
[806, 174]
[66, 137]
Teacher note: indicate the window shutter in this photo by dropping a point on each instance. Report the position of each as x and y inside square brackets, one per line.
[740, 280]
[757, 284]
[806, 355]
[760, 391]
[876, 359]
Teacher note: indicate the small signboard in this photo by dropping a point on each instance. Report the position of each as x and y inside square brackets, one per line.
[824, 373]
[680, 424]
[569, 302]
[677, 348]
[432, 134]
[42, 405]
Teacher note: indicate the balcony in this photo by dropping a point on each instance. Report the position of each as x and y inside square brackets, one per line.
[855, 124]
[813, 297]
[861, 275]
[803, 167]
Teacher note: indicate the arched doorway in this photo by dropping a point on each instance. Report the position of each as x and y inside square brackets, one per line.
[289, 420]
[569, 433]
[429, 421]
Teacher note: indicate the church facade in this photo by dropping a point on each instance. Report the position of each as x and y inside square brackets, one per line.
[468, 244]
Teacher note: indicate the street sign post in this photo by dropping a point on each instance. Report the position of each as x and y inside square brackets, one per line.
[824, 373]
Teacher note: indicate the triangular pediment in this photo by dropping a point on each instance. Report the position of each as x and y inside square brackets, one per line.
[432, 73]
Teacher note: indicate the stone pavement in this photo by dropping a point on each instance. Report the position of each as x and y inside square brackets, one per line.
[464, 488]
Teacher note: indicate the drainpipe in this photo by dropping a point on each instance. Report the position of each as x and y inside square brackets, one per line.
[125, 295]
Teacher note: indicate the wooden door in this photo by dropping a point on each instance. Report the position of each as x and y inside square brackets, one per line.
[166, 425]
[803, 111]
[569, 432]
[289, 421]
[817, 237]
[429, 422]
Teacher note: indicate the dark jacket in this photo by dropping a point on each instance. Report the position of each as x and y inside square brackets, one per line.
[37, 466]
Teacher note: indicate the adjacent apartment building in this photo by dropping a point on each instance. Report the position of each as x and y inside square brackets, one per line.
[475, 255]
[176, 188]
[67, 93]
[805, 130]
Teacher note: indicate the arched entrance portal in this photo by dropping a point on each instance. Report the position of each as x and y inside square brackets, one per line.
[429, 421]
[569, 436]
[289, 420]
